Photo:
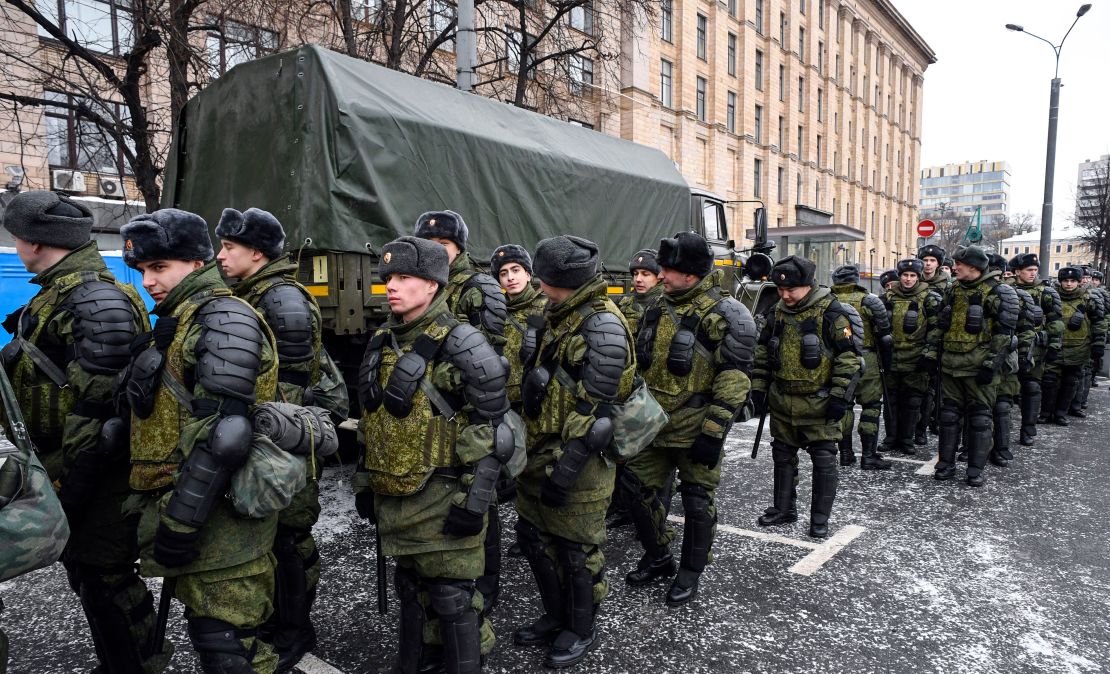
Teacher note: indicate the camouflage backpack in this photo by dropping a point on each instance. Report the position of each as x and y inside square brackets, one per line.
[33, 528]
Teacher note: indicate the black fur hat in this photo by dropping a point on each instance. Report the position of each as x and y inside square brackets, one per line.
[848, 273]
[910, 264]
[890, 275]
[1070, 274]
[49, 219]
[931, 250]
[996, 261]
[508, 253]
[254, 228]
[973, 256]
[166, 234]
[413, 256]
[566, 261]
[1023, 260]
[793, 271]
[646, 259]
[687, 252]
[443, 225]
[947, 262]
[1097, 275]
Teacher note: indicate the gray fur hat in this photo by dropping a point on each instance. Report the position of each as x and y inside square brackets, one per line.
[413, 256]
[848, 273]
[166, 234]
[254, 228]
[443, 225]
[507, 254]
[973, 256]
[50, 219]
[566, 261]
[646, 259]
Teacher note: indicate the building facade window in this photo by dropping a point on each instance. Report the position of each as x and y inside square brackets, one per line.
[666, 20]
[730, 112]
[782, 134]
[818, 151]
[73, 142]
[759, 16]
[236, 43]
[105, 26]
[732, 7]
[703, 38]
[665, 80]
[781, 188]
[757, 179]
[701, 86]
[801, 94]
[820, 104]
[821, 14]
[758, 70]
[821, 57]
[759, 124]
[782, 83]
[782, 30]
[581, 74]
[802, 44]
[582, 18]
[732, 57]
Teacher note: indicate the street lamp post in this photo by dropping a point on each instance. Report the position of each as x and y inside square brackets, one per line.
[1050, 158]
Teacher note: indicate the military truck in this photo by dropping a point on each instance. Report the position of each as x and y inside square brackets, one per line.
[347, 154]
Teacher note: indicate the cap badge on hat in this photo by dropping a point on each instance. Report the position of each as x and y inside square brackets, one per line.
[432, 222]
[501, 254]
[385, 258]
[128, 245]
[640, 259]
[782, 277]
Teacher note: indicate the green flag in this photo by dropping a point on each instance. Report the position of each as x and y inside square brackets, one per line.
[975, 230]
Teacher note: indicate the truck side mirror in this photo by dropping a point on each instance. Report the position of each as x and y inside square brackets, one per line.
[730, 244]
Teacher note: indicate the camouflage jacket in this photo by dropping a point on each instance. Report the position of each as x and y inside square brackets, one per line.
[525, 305]
[979, 320]
[476, 298]
[940, 283]
[1050, 337]
[65, 420]
[799, 384]
[634, 304]
[876, 319]
[1084, 324]
[914, 323]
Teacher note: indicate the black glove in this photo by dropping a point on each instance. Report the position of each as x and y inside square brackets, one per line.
[835, 408]
[984, 376]
[506, 489]
[461, 522]
[364, 504]
[1051, 355]
[552, 495]
[1098, 351]
[175, 548]
[927, 363]
[759, 401]
[706, 450]
[163, 332]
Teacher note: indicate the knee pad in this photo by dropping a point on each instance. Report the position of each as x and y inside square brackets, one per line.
[823, 455]
[782, 453]
[528, 535]
[450, 600]
[949, 413]
[211, 636]
[695, 499]
[407, 584]
[571, 556]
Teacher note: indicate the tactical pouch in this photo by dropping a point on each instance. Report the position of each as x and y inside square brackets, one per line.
[645, 339]
[680, 355]
[636, 422]
[909, 320]
[534, 390]
[973, 322]
[946, 318]
[773, 356]
[530, 340]
[268, 481]
[811, 345]
[1076, 320]
[144, 380]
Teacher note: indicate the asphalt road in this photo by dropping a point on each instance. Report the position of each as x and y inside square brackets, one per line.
[920, 576]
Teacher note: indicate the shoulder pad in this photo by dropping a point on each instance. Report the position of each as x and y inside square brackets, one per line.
[606, 354]
[738, 346]
[1056, 304]
[1008, 307]
[483, 370]
[491, 319]
[853, 318]
[880, 318]
[103, 328]
[229, 351]
[288, 313]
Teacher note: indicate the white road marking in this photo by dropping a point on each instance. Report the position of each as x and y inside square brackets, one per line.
[310, 664]
[927, 467]
[812, 562]
[758, 535]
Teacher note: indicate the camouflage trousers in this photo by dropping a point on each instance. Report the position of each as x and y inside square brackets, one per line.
[869, 394]
[649, 472]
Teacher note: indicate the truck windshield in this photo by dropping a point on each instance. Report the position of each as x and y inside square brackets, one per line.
[713, 216]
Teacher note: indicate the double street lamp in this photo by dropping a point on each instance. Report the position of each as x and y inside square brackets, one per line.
[1050, 159]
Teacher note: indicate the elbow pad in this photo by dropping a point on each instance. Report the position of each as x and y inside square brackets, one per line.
[206, 473]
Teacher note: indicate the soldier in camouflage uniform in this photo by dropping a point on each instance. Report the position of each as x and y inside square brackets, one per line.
[1019, 359]
[646, 289]
[1084, 338]
[1046, 345]
[1096, 284]
[251, 251]
[434, 442]
[914, 311]
[877, 346]
[978, 319]
[512, 265]
[807, 366]
[190, 386]
[935, 275]
[475, 298]
[69, 344]
[889, 279]
[695, 350]
[1079, 403]
[584, 364]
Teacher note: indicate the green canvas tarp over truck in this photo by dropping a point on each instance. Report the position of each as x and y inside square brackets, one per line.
[348, 154]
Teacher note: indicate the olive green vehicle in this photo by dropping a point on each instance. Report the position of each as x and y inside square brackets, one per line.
[347, 154]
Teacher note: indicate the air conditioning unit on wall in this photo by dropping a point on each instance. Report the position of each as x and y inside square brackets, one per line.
[69, 181]
[111, 188]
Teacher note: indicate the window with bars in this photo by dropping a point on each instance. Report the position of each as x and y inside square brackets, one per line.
[75, 142]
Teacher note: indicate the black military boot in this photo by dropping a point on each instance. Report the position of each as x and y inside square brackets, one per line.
[292, 632]
[979, 440]
[872, 459]
[824, 488]
[545, 629]
[1030, 406]
[1064, 397]
[1000, 453]
[950, 426]
[657, 561]
[459, 626]
[784, 510]
[847, 453]
[580, 635]
[410, 647]
[1050, 391]
[906, 422]
[697, 539]
[489, 583]
[220, 648]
